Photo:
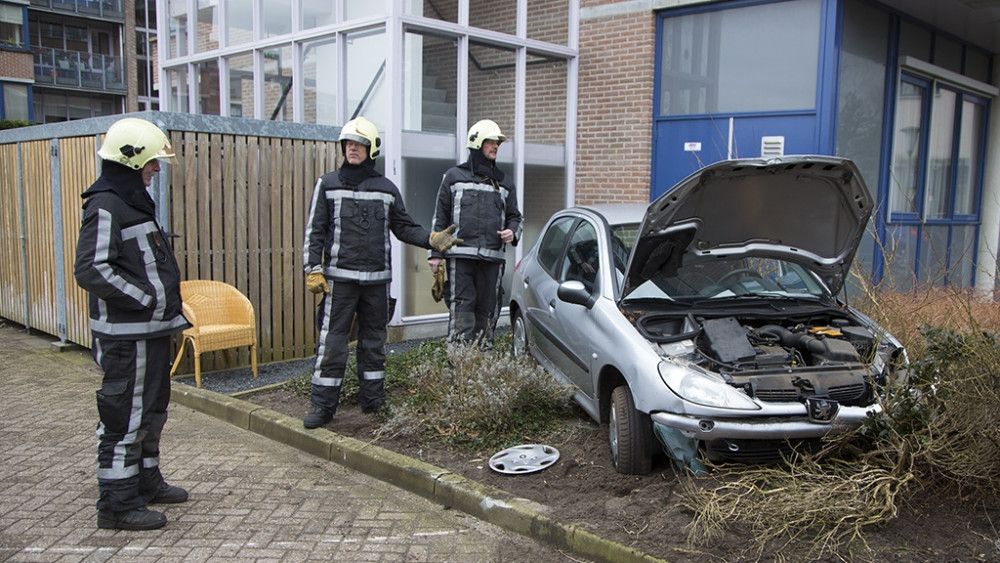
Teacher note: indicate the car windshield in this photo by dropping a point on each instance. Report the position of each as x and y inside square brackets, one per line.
[727, 278]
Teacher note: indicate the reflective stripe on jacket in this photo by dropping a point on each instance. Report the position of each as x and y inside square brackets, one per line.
[127, 265]
[347, 232]
[480, 207]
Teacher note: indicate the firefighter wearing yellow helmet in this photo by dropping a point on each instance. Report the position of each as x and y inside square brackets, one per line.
[360, 130]
[481, 200]
[348, 261]
[134, 142]
[125, 262]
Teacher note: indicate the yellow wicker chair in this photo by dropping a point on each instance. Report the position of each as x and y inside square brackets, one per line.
[221, 318]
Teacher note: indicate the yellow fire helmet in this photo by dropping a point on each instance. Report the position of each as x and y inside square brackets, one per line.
[360, 130]
[483, 130]
[134, 142]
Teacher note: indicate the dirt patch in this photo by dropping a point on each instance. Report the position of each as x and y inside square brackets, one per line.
[582, 487]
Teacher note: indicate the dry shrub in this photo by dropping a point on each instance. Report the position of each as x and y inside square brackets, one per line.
[903, 314]
[817, 508]
[939, 434]
[478, 400]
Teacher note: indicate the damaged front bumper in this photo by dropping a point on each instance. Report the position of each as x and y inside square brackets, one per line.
[681, 434]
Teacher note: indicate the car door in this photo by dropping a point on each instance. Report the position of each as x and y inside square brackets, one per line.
[571, 331]
[540, 286]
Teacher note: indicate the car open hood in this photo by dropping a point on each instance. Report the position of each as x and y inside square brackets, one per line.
[811, 210]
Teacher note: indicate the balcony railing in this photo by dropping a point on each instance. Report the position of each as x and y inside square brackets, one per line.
[75, 69]
[107, 9]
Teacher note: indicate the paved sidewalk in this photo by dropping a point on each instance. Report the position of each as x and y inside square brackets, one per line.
[252, 498]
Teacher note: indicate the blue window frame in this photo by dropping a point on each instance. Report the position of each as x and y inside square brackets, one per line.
[935, 184]
[13, 26]
[723, 89]
[15, 101]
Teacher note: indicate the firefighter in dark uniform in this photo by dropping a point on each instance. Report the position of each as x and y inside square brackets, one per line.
[126, 263]
[348, 259]
[482, 201]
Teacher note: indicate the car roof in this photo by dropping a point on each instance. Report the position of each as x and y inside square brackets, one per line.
[618, 213]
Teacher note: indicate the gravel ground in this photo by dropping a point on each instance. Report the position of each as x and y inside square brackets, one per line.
[233, 381]
[230, 382]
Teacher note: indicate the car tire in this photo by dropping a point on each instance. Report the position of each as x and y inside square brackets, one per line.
[519, 336]
[630, 434]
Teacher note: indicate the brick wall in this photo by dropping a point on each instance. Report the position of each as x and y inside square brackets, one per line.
[17, 64]
[614, 129]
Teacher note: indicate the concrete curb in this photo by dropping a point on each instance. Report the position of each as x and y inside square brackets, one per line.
[489, 504]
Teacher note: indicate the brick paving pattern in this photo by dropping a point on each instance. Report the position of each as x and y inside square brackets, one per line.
[252, 499]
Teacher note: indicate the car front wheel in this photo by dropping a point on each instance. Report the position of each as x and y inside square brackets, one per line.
[630, 433]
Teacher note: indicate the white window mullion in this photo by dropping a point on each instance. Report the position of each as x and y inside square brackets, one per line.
[393, 126]
[572, 84]
[520, 101]
[343, 113]
[298, 90]
[521, 28]
[462, 92]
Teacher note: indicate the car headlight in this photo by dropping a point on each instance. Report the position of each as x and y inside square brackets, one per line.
[704, 389]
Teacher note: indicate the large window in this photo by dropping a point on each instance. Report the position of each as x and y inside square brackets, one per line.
[11, 25]
[422, 84]
[145, 45]
[15, 102]
[937, 158]
[429, 83]
[366, 77]
[53, 107]
[319, 84]
[739, 60]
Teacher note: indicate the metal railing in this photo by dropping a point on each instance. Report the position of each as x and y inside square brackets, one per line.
[77, 69]
[107, 9]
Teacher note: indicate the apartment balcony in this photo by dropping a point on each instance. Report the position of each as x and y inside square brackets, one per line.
[75, 69]
[105, 9]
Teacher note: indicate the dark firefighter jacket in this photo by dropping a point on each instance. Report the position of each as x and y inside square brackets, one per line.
[348, 229]
[125, 261]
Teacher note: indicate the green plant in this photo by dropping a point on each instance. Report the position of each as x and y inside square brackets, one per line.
[13, 124]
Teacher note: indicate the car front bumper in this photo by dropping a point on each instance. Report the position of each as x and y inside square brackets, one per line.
[794, 425]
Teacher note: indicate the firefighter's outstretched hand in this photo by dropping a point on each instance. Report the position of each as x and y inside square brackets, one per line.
[316, 283]
[443, 240]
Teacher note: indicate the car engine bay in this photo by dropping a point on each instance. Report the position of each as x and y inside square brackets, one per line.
[827, 356]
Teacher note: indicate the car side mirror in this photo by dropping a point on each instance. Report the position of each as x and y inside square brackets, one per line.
[574, 292]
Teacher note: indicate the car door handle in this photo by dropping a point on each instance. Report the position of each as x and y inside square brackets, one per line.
[552, 305]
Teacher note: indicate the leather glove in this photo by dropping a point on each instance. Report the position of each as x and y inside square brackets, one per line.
[443, 240]
[316, 283]
[437, 290]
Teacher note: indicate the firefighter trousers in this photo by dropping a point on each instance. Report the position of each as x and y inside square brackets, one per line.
[132, 405]
[368, 307]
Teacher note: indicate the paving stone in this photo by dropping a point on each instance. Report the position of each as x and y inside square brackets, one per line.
[251, 498]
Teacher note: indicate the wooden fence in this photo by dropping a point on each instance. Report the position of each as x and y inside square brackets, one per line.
[237, 200]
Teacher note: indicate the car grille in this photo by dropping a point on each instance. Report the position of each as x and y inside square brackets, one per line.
[758, 451]
[778, 395]
[846, 394]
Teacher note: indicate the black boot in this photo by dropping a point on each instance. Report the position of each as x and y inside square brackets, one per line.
[318, 417]
[169, 494]
[140, 518]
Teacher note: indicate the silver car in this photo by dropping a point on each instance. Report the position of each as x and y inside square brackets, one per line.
[708, 321]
